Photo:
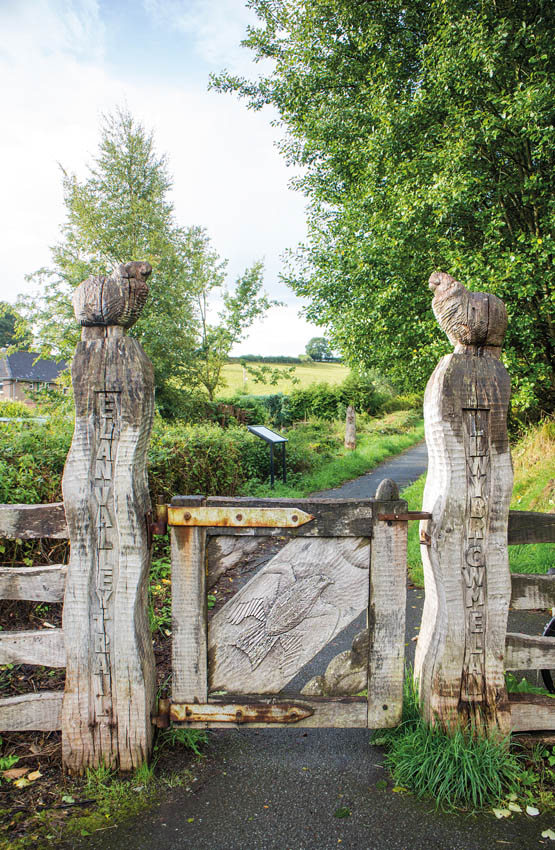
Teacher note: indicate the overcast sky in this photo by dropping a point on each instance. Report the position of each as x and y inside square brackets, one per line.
[64, 62]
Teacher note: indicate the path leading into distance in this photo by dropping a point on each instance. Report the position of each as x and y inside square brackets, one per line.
[278, 789]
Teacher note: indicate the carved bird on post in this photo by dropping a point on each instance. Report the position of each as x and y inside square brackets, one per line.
[114, 300]
[476, 319]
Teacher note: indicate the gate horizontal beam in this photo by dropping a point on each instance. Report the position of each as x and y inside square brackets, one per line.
[238, 517]
[238, 712]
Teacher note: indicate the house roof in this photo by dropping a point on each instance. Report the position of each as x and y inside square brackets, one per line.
[21, 366]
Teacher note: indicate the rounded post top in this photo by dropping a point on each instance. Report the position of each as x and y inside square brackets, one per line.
[471, 320]
[117, 299]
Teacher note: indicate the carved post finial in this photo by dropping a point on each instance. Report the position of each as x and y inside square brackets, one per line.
[471, 320]
[118, 299]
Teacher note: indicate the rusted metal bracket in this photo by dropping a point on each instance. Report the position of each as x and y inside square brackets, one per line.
[160, 524]
[406, 517]
[263, 712]
[238, 517]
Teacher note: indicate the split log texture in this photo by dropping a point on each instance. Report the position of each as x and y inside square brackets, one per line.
[350, 428]
[532, 712]
[530, 527]
[386, 621]
[35, 646]
[529, 592]
[40, 712]
[459, 657]
[36, 584]
[32, 521]
[224, 553]
[287, 613]
[527, 652]
[109, 691]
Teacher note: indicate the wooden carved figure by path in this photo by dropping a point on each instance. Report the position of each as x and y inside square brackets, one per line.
[109, 688]
[460, 652]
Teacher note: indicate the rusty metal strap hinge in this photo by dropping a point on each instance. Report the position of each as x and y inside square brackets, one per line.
[264, 712]
[238, 517]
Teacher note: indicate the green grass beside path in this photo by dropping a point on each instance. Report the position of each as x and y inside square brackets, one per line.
[372, 449]
[534, 490]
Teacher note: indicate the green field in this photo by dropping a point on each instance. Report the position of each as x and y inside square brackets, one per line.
[308, 373]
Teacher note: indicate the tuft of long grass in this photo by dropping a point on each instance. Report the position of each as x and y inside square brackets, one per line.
[462, 770]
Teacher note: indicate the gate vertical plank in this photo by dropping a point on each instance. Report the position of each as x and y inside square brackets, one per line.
[189, 659]
[109, 690]
[386, 614]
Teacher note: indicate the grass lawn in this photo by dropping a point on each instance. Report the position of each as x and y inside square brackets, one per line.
[308, 373]
[533, 490]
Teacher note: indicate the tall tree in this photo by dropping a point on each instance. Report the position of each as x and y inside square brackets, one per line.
[121, 211]
[319, 348]
[8, 321]
[425, 135]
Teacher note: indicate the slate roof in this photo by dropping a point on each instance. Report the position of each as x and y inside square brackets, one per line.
[20, 366]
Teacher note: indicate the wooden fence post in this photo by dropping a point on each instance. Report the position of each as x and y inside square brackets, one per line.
[350, 428]
[109, 691]
[460, 652]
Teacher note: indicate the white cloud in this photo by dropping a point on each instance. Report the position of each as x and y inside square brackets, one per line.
[228, 176]
[217, 28]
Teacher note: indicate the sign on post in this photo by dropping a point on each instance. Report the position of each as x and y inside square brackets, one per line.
[273, 439]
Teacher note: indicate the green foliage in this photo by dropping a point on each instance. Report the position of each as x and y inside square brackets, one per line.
[465, 770]
[15, 409]
[424, 135]
[8, 320]
[318, 348]
[190, 739]
[523, 686]
[121, 211]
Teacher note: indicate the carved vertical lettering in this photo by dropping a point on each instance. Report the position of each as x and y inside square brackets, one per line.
[476, 441]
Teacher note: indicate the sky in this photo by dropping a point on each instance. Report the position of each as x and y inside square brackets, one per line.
[63, 63]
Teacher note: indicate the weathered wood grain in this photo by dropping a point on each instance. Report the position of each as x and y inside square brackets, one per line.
[286, 613]
[459, 656]
[532, 712]
[32, 521]
[526, 652]
[347, 518]
[346, 674]
[386, 621]
[117, 299]
[529, 592]
[189, 651]
[41, 712]
[350, 428]
[531, 527]
[326, 713]
[35, 646]
[224, 553]
[109, 692]
[36, 584]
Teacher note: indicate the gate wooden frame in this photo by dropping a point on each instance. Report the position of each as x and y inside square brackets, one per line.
[192, 705]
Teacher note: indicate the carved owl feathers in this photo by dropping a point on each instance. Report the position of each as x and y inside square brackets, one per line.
[114, 300]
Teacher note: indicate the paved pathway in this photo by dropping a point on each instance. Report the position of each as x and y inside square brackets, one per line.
[278, 789]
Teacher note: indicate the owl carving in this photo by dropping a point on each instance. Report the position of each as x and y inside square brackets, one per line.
[114, 300]
[476, 319]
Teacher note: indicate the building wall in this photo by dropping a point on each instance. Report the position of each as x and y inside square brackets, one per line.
[17, 391]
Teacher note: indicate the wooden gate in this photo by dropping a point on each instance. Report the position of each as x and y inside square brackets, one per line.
[338, 559]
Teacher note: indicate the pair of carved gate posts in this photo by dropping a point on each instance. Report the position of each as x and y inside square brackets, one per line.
[108, 705]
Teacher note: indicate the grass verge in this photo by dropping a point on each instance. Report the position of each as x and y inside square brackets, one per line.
[54, 808]
[466, 770]
[382, 440]
[533, 490]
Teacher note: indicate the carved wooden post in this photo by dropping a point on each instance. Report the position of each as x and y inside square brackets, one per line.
[350, 428]
[109, 688]
[459, 657]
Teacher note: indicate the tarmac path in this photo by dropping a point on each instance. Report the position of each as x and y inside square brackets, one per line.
[279, 789]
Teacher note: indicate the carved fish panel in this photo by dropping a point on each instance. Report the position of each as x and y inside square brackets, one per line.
[287, 613]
